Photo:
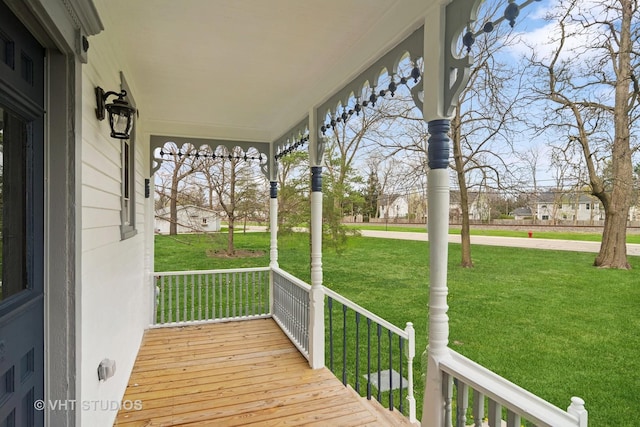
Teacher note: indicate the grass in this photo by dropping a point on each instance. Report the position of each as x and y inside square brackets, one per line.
[546, 320]
[591, 237]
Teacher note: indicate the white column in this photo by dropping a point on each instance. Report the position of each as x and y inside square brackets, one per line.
[316, 321]
[438, 196]
[273, 225]
[435, 83]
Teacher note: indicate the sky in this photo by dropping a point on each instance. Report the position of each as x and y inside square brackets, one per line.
[533, 30]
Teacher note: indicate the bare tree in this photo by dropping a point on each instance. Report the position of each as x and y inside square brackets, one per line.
[591, 88]
[481, 132]
[177, 166]
[349, 138]
[395, 179]
[563, 163]
[531, 160]
[229, 180]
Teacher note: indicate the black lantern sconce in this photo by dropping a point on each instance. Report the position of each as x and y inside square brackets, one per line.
[120, 112]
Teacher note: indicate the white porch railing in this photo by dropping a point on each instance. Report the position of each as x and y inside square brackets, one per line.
[477, 389]
[291, 308]
[211, 295]
[369, 345]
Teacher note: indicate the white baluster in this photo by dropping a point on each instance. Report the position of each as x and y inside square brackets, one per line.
[513, 419]
[495, 414]
[447, 392]
[478, 408]
[411, 353]
[462, 404]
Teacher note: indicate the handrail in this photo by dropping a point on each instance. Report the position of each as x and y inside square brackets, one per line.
[366, 313]
[218, 271]
[298, 282]
[506, 393]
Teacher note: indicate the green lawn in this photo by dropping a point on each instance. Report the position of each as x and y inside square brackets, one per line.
[546, 320]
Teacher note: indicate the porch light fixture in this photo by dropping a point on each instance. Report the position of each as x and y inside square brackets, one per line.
[120, 112]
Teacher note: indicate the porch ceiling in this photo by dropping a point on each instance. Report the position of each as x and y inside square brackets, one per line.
[251, 69]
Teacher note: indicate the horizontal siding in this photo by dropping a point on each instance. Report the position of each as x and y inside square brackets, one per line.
[105, 158]
[99, 218]
[96, 198]
[100, 181]
[116, 297]
[99, 238]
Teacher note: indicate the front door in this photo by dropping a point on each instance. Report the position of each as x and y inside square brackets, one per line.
[21, 224]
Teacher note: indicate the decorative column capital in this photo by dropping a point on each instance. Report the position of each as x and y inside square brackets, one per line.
[438, 150]
[316, 178]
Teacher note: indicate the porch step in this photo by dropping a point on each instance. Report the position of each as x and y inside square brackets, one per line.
[385, 416]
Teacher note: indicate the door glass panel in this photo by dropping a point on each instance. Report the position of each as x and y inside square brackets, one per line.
[13, 189]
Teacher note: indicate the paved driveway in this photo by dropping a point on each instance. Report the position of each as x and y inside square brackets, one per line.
[535, 243]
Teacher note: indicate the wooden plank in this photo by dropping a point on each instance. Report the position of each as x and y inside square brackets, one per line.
[193, 347]
[229, 404]
[282, 358]
[209, 383]
[205, 352]
[195, 333]
[235, 374]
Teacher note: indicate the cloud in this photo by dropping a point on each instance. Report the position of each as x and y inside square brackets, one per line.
[541, 31]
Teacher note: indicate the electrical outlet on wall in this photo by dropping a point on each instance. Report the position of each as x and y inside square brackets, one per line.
[106, 369]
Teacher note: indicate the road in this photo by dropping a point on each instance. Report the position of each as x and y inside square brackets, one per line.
[519, 242]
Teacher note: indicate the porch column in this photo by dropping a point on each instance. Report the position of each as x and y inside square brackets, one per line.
[438, 228]
[316, 321]
[273, 225]
[436, 110]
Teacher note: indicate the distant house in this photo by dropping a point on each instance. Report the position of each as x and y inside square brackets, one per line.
[522, 213]
[190, 219]
[479, 206]
[393, 206]
[567, 206]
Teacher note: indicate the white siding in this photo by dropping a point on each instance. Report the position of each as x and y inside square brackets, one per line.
[115, 296]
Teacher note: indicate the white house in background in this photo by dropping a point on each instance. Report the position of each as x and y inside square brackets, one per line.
[521, 213]
[567, 206]
[479, 206]
[393, 206]
[78, 283]
[190, 219]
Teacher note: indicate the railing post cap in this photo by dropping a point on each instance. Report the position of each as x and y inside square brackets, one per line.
[577, 401]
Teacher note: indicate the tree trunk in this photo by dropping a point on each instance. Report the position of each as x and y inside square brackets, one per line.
[230, 249]
[465, 237]
[173, 208]
[465, 231]
[231, 211]
[613, 250]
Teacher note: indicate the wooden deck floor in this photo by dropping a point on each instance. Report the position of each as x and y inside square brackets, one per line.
[236, 374]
